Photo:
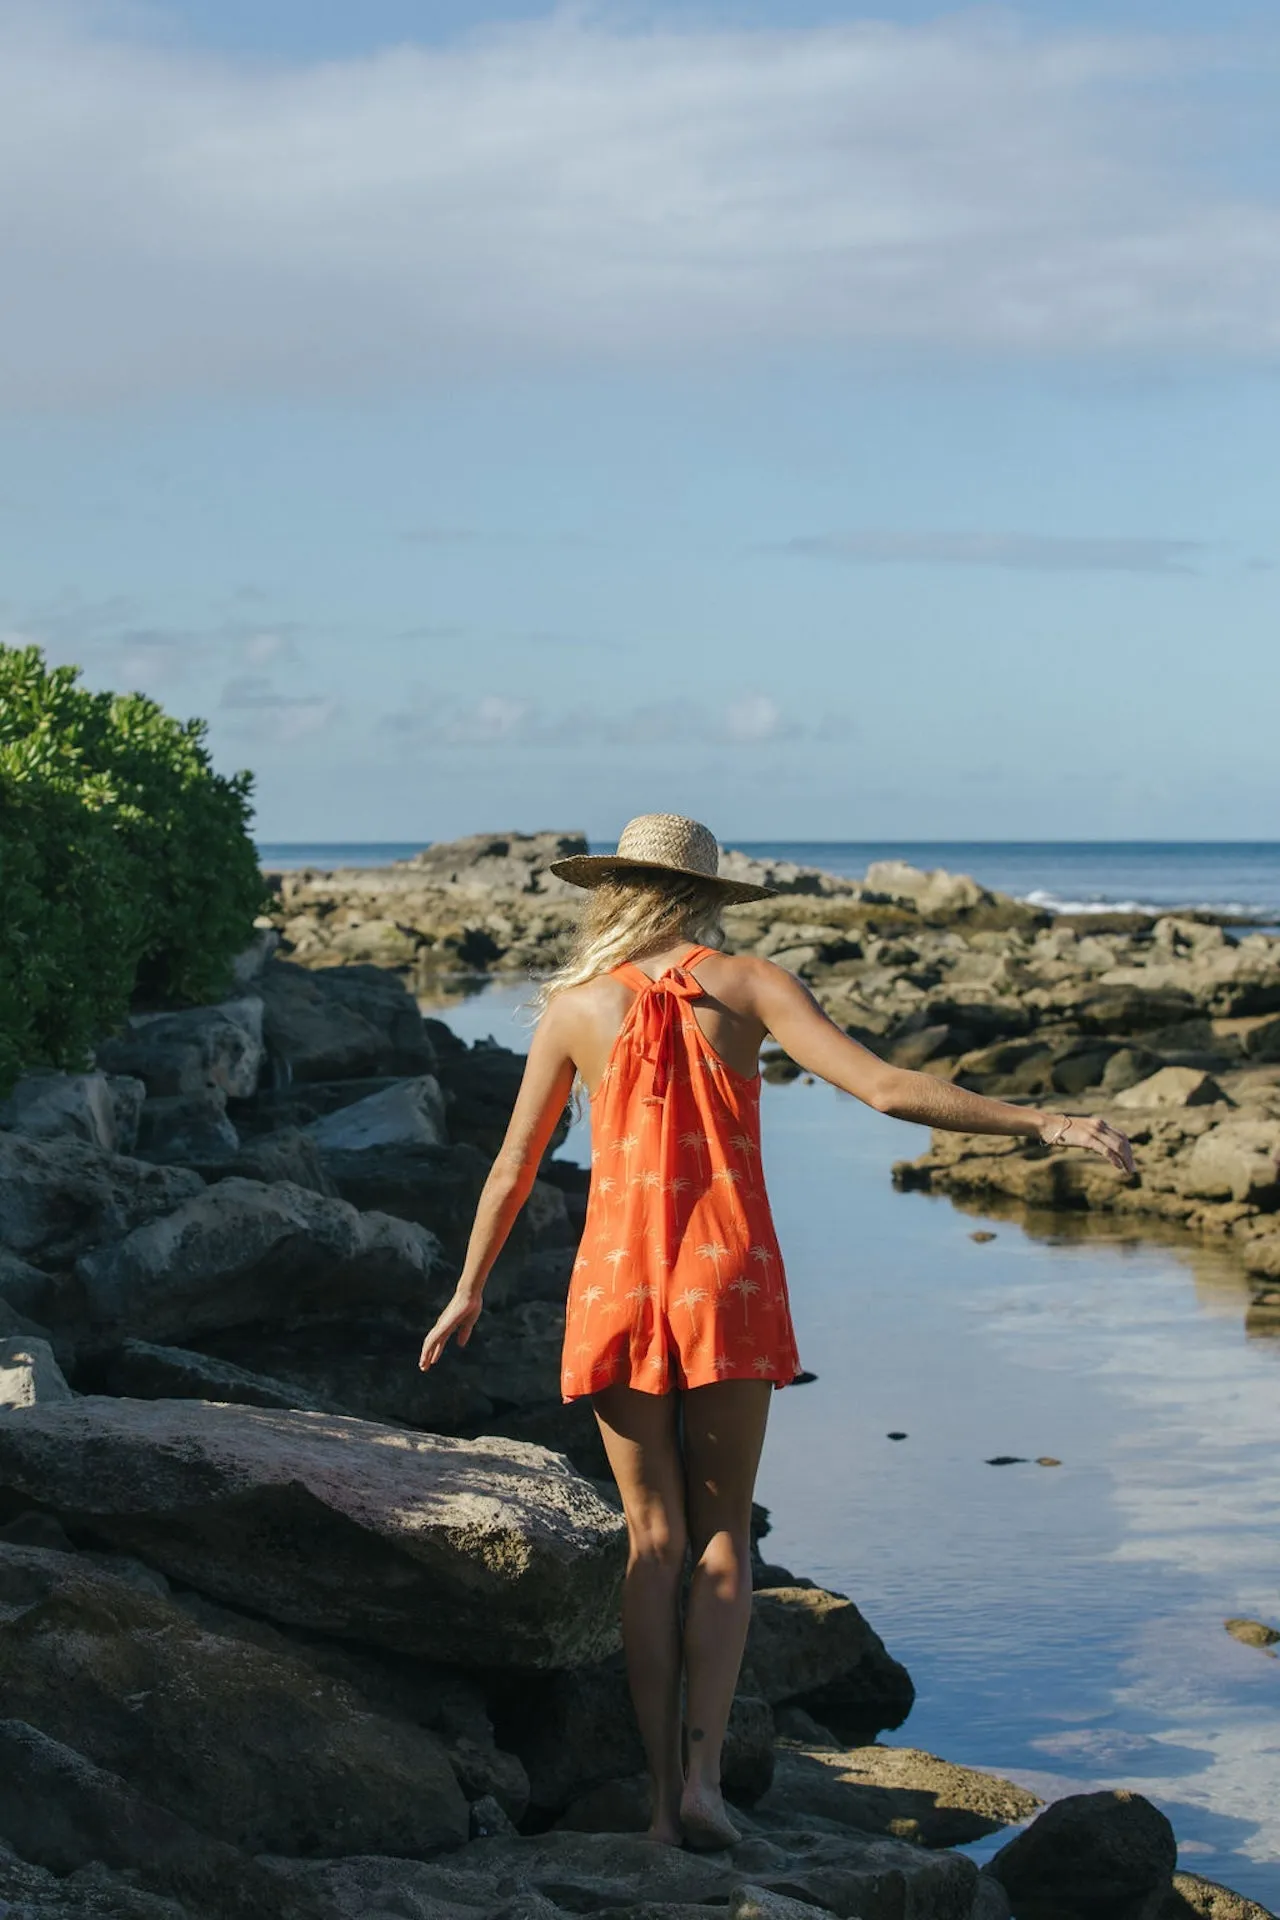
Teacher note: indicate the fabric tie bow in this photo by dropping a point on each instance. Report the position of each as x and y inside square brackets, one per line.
[658, 1016]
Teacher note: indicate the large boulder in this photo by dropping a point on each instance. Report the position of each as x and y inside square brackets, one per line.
[66, 1814]
[243, 1253]
[185, 1052]
[503, 863]
[256, 1748]
[815, 1649]
[341, 1023]
[1092, 1856]
[482, 1552]
[97, 1108]
[58, 1198]
[91, 1893]
[1239, 1160]
[410, 1113]
[29, 1375]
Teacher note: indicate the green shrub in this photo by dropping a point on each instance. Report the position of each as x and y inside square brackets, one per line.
[126, 866]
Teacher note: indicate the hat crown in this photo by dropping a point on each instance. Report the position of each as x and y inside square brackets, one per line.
[669, 839]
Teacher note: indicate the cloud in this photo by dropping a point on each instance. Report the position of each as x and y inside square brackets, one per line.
[1018, 552]
[749, 720]
[584, 187]
[273, 714]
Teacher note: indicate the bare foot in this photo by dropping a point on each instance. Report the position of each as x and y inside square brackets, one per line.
[704, 1821]
[667, 1832]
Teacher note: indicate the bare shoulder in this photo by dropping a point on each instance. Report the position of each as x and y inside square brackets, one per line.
[744, 981]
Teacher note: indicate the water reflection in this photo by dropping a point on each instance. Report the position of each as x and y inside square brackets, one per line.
[1065, 1626]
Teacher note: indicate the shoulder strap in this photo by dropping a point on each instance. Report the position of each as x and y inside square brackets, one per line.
[693, 956]
[631, 976]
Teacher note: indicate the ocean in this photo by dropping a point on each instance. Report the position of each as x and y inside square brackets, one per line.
[1065, 876]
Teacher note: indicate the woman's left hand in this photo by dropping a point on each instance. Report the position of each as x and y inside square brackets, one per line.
[455, 1322]
[1094, 1135]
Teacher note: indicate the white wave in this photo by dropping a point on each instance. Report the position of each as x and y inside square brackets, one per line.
[1055, 903]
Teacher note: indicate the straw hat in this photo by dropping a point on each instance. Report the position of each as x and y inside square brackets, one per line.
[660, 843]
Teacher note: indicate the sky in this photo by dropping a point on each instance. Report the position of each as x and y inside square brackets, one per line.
[832, 422]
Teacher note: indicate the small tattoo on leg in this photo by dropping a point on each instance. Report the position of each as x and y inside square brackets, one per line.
[696, 1733]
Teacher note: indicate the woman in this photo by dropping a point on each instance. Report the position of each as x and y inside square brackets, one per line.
[678, 1325]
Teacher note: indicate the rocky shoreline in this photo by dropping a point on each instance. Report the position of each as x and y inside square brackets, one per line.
[288, 1628]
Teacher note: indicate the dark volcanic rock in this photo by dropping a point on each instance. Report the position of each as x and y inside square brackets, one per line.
[814, 1649]
[253, 1746]
[243, 1253]
[483, 1553]
[65, 1813]
[137, 1370]
[1092, 1856]
[58, 1198]
[341, 1023]
[172, 1053]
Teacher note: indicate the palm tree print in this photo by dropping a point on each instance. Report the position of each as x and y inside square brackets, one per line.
[746, 1286]
[640, 1294]
[696, 1143]
[713, 1251]
[691, 1298]
[626, 1147]
[729, 1175]
[648, 1180]
[589, 1297]
[762, 1364]
[614, 1258]
[763, 1257]
[745, 1144]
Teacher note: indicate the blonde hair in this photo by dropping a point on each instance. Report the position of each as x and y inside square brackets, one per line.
[626, 917]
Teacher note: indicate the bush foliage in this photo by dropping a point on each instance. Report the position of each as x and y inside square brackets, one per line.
[126, 866]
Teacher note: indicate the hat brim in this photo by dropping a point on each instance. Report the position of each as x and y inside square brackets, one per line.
[589, 869]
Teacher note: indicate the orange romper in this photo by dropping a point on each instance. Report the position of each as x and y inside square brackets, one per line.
[678, 1280]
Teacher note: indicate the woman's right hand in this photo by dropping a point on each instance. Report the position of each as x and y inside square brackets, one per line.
[456, 1322]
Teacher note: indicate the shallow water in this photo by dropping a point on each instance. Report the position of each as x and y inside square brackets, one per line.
[1063, 1624]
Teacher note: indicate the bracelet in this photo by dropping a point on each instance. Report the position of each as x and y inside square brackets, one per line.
[1060, 1135]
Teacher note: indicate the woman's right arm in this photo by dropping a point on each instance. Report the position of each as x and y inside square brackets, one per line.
[816, 1043]
[545, 1087]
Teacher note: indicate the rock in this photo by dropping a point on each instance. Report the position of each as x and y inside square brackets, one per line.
[341, 1023]
[60, 1197]
[67, 1814]
[186, 1129]
[1124, 1008]
[748, 1759]
[481, 1552]
[618, 1806]
[574, 1732]
[488, 1821]
[624, 1875]
[992, 1902]
[242, 1252]
[815, 1649]
[1091, 1856]
[1238, 1160]
[936, 892]
[1192, 1898]
[893, 1790]
[757, 1903]
[1172, 1087]
[366, 1366]
[286, 1154]
[93, 1893]
[186, 1052]
[498, 862]
[1252, 1633]
[137, 1370]
[29, 1375]
[1127, 1066]
[100, 1111]
[246, 968]
[256, 1748]
[409, 1114]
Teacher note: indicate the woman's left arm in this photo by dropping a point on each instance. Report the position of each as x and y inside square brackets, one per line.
[544, 1091]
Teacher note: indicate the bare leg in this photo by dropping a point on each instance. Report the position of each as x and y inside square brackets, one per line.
[723, 1434]
[640, 1437]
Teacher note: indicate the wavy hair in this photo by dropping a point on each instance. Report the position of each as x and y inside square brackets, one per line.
[628, 916]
